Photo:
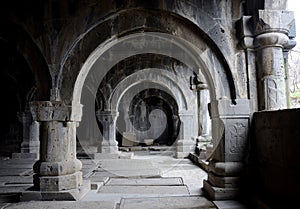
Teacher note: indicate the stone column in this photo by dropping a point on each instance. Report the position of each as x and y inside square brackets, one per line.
[230, 133]
[268, 33]
[186, 142]
[58, 174]
[108, 119]
[30, 145]
[271, 70]
[201, 88]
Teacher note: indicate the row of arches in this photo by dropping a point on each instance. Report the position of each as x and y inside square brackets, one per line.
[99, 60]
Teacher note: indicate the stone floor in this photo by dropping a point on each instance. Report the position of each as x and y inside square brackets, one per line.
[145, 181]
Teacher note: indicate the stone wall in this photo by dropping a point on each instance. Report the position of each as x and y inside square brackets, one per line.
[274, 167]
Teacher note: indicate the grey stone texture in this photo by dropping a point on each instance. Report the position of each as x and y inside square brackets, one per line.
[82, 73]
[273, 167]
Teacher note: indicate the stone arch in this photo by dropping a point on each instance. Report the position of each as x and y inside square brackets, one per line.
[166, 81]
[157, 77]
[139, 62]
[85, 51]
[149, 113]
[200, 51]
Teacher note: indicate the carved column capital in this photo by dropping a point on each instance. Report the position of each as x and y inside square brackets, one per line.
[267, 28]
[107, 116]
[55, 111]
[271, 39]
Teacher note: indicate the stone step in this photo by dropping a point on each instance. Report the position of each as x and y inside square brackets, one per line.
[166, 203]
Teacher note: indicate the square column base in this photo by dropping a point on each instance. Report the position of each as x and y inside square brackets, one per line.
[220, 193]
[65, 195]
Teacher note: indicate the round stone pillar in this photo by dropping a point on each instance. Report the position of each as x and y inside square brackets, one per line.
[271, 70]
[58, 169]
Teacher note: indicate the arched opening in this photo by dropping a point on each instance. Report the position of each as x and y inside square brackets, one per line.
[152, 117]
[104, 62]
[16, 83]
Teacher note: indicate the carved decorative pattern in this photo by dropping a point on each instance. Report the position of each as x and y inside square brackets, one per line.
[238, 135]
[272, 96]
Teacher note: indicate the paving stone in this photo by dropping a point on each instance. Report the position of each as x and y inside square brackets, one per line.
[14, 171]
[22, 165]
[62, 205]
[229, 204]
[166, 203]
[129, 168]
[13, 189]
[16, 179]
[153, 191]
[3, 205]
[97, 176]
[138, 173]
[125, 164]
[145, 182]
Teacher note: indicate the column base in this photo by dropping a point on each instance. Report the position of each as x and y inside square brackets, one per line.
[109, 149]
[65, 195]
[220, 193]
[224, 181]
[58, 183]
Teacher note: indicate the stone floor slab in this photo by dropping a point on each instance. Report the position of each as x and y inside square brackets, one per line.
[125, 164]
[62, 205]
[14, 171]
[13, 189]
[8, 180]
[131, 173]
[166, 203]
[145, 182]
[145, 190]
[229, 204]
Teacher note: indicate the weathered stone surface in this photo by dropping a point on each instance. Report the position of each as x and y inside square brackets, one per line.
[274, 170]
[166, 203]
[145, 182]
[91, 49]
[230, 204]
[133, 191]
[62, 205]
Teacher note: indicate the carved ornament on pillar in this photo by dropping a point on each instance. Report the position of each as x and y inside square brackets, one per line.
[230, 133]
